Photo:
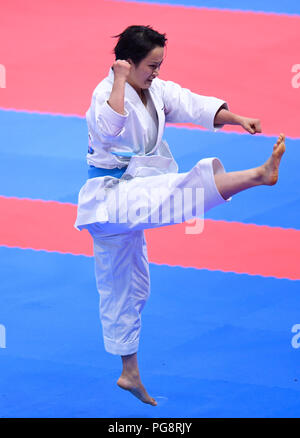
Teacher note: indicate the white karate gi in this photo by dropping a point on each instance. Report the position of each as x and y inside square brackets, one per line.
[117, 141]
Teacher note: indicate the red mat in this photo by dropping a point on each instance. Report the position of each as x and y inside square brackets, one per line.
[225, 246]
[55, 53]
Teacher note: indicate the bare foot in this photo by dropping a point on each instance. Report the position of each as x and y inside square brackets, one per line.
[135, 386]
[271, 166]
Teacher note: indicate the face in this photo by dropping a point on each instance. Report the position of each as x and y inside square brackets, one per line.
[141, 76]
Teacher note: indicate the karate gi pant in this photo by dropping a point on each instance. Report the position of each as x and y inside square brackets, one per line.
[121, 262]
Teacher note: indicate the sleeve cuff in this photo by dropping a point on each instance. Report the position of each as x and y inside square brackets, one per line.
[110, 121]
[213, 105]
[111, 115]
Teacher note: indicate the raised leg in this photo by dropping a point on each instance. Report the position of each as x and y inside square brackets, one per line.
[231, 183]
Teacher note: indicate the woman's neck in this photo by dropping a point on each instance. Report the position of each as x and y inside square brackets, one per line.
[139, 91]
[142, 95]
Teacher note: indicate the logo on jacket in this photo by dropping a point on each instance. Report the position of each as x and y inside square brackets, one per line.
[90, 149]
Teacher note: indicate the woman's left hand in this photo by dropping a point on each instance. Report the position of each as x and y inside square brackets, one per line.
[250, 125]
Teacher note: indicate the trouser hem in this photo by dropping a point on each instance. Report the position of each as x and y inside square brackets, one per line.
[119, 348]
[208, 168]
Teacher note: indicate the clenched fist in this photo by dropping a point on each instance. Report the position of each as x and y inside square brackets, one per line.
[121, 69]
[251, 125]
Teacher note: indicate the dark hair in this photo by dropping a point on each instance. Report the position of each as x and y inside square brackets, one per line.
[135, 42]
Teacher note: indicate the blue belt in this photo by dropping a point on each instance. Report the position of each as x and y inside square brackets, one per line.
[93, 172]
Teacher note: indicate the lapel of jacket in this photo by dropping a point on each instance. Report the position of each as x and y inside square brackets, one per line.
[135, 99]
[160, 116]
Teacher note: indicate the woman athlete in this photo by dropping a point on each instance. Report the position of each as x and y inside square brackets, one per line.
[127, 155]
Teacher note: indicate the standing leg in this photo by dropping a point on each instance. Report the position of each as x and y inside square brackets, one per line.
[231, 183]
[131, 381]
[122, 275]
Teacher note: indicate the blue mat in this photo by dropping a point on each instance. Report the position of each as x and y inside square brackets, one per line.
[272, 6]
[213, 344]
[47, 154]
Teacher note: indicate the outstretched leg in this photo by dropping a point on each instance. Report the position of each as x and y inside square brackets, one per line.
[131, 381]
[231, 183]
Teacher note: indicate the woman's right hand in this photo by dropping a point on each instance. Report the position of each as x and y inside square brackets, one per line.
[121, 72]
[121, 69]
